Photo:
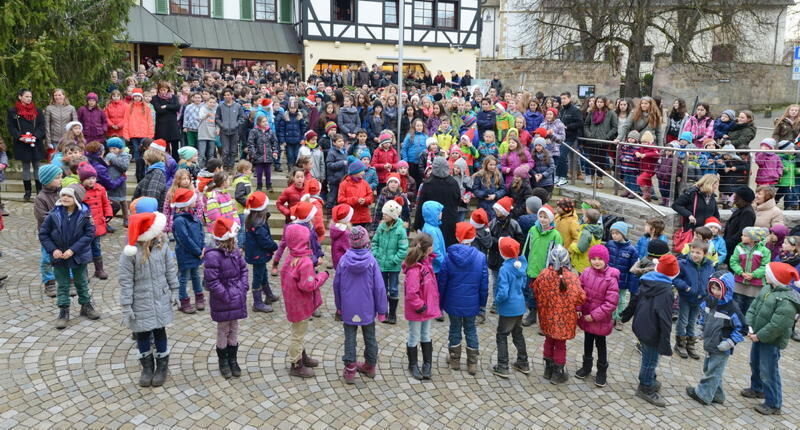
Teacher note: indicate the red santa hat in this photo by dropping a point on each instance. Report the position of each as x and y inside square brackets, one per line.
[159, 144]
[224, 229]
[668, 265]
[713, 222]
[548, 210]
[137, 92]
[342, 213]
[257, 201]
[266, 101]
[310, 134]
[509, 248]
[501, 106]
[143, 227]
[393, 177]
[465, 233]
[183, 198]
[479, 218]
[303, 212]
[781, 274]
[504, 205]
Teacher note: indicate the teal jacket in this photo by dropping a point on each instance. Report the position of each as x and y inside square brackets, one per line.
[432, 214]
[390, 246]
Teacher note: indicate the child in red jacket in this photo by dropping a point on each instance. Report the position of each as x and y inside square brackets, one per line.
[356, 192]
[97, 200]
[385, 158]
[648, 160]
[292, 194]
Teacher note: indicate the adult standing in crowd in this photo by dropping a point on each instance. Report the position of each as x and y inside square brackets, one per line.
[570, 115]
[701, 124]
[230, 116]
[676, 120]
[743, 132]
[26, 126]
[57, 115]
[743, 216]
[441, 187]
[600, 123]
[644, 117]
[167, 106]
[787, 126]
[699, 202]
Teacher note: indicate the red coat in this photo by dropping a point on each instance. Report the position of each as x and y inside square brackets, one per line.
[650, 161]
[299, 281]
[288, 199]
[349, 193]
[115, 112]
[380, 158]
[558, 312]
[318, 222]
[97, 200]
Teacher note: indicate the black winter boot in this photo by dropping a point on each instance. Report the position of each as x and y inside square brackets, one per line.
[224, 364]
[146, 379]
[600, 377]
[392, 317]
[559, 375]
[413, 366]
[236, 371]
[28, 190]
[38, 186]
[427, 359]
[586, 369]
[548, 368]
[530, 318]
[160, 375]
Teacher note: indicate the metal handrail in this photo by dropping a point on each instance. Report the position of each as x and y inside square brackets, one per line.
[691, 149]
[617, 182]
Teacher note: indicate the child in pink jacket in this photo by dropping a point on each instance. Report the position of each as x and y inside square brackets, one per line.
[339, 229]
[601, 284]
[300, 284]
[770, 166]
[421, 303]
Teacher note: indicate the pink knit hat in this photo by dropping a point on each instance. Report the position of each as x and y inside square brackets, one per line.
[599, 251]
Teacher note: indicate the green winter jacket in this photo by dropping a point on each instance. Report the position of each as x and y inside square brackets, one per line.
[390, 246]
[790, 171]
[771, 315]
[539, 244]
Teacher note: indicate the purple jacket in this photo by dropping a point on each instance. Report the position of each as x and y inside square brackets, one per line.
[511, 161]
[172, 168]
[226, 281]
[602, 296]
[358, 288]
[103, 177]
[95, 123]
[770, 168]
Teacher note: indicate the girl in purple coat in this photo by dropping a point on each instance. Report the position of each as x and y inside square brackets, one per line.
[421, 303]
[600, 282]
[360, 296]
[770, 166]
[226, 282]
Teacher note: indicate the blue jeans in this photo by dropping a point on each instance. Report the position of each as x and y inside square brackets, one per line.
[418, 331]
[351, 342]
[390, 281]
[183, 279]
[687, 317]
[647, 369]
[710, 385]
[291, 154]
[629, 179]
[96, 251]
[240, 236]
[562, 163]
[765, 376]
[527, 293]
[470, 331]
[790, 194]
[46, 267]
[260, 277]
[159, 336]
[206, 149]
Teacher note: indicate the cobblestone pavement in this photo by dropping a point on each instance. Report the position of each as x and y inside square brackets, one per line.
[84, 376]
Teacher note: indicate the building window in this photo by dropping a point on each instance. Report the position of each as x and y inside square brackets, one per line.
[423, 13]
[202, 63]
[647, 54]
[239, 63]
[335, 65]
[390, 12]
[189, 7]
[343, 10]
[265, 10]
[446, 14]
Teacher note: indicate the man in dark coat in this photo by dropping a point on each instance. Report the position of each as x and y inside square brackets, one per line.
[743, 216]
[442, 188]
[166, 107]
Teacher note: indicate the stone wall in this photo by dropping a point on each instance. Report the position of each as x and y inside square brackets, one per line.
[724, 85]
[553, 77]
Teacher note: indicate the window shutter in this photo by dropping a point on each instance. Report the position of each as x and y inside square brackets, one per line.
[162, 7]
[286, 11]
[217, 9]
[247, 10]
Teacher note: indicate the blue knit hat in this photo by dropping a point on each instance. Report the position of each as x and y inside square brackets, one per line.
[115, 142]
[356, 167]
[48, 172]
[145, 205]
[364, 153]
[687, 136]
[621, 227]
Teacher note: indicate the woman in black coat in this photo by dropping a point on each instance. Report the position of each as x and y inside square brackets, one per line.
[705, 190]
[167, 107]
[442, 188]
[743, 216]
[27, 129]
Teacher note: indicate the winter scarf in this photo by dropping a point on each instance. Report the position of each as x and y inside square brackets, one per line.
[27, 111]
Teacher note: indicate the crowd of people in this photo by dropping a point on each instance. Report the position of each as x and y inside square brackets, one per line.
[396, 189]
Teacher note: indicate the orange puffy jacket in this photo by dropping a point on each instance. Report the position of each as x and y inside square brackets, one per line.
[115, 112]
[558, 313]
[138, 122]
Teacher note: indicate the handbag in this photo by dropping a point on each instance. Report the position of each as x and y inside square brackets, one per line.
[683, 236]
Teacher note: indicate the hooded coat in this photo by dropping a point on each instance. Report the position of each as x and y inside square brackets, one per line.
[692, 280]
[505, 227]
[441, 188]
[147, 286]
[103, 175]
[771, 315]
[723, 319]
[512, 280]
[94, 121]
[189, 240]
[299, 282]
[538, 243]
[558, 316]
[390, 246]
[651, 310]
[463, 281]
[352, 189]
[97, 200]
[770, 168]
[62, 231]
[590, 235]
[358, 288]
[225, 279]
[431, 212]
[348, 120]
[768, 214]
[602, 297]
[421, 290]
[622, 256]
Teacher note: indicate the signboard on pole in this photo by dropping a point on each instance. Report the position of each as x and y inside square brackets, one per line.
[796, 64]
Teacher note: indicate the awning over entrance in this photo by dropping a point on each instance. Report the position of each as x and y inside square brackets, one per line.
[144, 27]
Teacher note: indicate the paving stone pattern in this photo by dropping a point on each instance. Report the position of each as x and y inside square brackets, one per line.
[85, 376]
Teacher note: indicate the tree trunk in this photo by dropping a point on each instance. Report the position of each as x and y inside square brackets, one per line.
[637, 41]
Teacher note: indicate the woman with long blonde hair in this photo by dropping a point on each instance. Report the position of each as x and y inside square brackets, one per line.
[787, 126]
[57, 115]
[646, 116]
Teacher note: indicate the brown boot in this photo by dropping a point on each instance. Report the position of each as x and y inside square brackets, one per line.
[99, 273]
[680, 347]
[455, 357]
[301, 371]
[690, 347]
[199, 302]
[472, 361]
[308, 361]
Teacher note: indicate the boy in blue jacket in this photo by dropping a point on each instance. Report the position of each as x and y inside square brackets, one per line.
[463, 290]
[622, 256]
[189, 242]
[721, 332]
[66, 235]
[691, 286]
[511, 307]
